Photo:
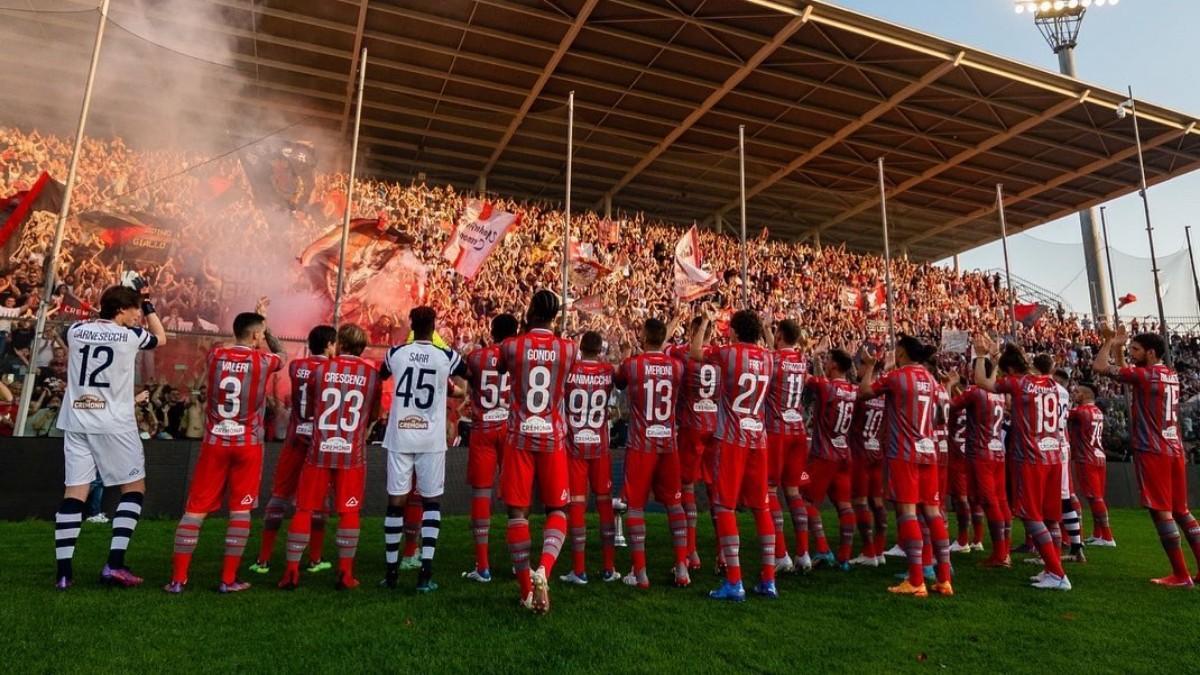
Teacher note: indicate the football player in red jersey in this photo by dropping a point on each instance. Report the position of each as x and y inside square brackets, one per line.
[788, 448]
[911, 391]
[740, 464]
[489, 428]
[321, 346]
[652, 381]
[1085, 428]
[866, 480]
[343, 392]
[1157, 441]
[985, 453]
[231, 452]
[833, 399]
[589, 387]
[535, 451]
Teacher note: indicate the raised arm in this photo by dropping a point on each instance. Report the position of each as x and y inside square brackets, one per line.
[984, 346]
[865, 385]
[696, 348]
[273, 342]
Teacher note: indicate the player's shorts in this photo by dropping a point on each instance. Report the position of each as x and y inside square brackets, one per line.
[960, 479]
[989, 480]
[595, 473]
[484, 454]
[1038, 492]
[1066, 485]
[695, 452]
[912, 483]
[1092, 480]
[287, 469]
[348, 488]
[522, 467]
[943, 472]
[787, 457]
[1162, 480]
[828, 477]
[119, 458]
[650, 470]
[237, 467]
[866, 478]
[428, 468]
[740, 474]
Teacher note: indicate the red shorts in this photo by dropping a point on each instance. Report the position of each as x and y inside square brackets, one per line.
[1162, 480]
[787, 457]
[519, 469]
[960, 479]
[740, 474]
[238, 467]
[866, 478]
[912, 483]
[1038, 492]
[828, 477]
[1092, 480]
[988, 480]
[650, 470]
[287, 470]
[348, 487]
[695, 450]
[943, 472]
[596, 472]
[485, 453]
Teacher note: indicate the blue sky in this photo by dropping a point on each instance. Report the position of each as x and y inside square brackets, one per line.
[1150, 44]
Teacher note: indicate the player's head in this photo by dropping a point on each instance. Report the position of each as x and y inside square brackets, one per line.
[839, 363]
[591, 344]
[351, 339]
[121, 305]
[321, 339]
[1013, 361]
[422, 320]
[988, 367]
[654, 333]
[504, 326]
[250, 329]
[1062, 377]
[746, 326]
[787, 334]
[1043, 363]
[543, 309]
[697, 322]
[1083, 392]
[1147, 349]
[910, 350]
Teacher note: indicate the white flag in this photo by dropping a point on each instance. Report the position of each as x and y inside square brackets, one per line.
[478, 232]
[691, 281]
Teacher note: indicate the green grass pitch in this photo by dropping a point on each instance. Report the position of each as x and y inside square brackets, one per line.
[1114, 620]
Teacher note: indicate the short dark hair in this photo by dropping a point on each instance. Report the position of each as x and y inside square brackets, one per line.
[1012, 359]
[320, 337]
[351, 339]
[656, 331]
[789, 330]
[842, 360]
[422, 321]
[543, 308]
[246, 323]
[592, 343]
[917, 351]
[1043, 363]
[746, 326]
[1062, 374]
[1151, 342]
[117, 299]
[504, 326]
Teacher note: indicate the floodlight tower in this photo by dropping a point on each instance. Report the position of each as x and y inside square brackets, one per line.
[1059, 22]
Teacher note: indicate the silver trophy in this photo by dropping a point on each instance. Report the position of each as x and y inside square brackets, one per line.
[619, 508]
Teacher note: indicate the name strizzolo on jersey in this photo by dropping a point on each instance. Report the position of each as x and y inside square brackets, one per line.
[100, 368]
[421, 372]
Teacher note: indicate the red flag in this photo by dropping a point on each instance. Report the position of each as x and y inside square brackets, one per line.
[1127, 299]
[851, 298]
[134, 236]
[877, 299]
[1028, 314]
[45, 195]
[590, 304]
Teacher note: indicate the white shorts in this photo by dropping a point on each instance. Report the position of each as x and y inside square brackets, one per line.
[119, 458]
[429, 468]
[1066, 471]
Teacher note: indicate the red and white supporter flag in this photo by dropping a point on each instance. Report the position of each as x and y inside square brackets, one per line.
[479, 230]
[585, 270]
[691, 281]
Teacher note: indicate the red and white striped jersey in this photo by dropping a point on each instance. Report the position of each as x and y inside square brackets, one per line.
[489, 389]
[833, 415]
[910, 393]
[697, 408]
[985, 422]
[299, 431]
[537, 363]
[343, 391]
[1085, 426]
[866, 429]
[785, 410]
[652, 381]
[1035, 418]
[941, 424]
[589, 386]
[746, 372]
[1155, 406]
[237, 394]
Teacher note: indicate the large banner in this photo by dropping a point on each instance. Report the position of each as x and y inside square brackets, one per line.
[479, 230]
[281, 173]
[691, 280]
[46, 194]
[137, 238]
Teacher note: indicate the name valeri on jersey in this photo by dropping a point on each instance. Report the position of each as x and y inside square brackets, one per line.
[337, 445]
[235, 366]
[346, 378]
[412, 423]
[89, 402]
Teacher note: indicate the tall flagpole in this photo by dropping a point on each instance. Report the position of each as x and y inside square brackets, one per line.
[51, 266]
[1112, 284]
[1162, 317]
[742, 183]
[1012, 310]
[887, 255]
[337, 300]
[566, 236]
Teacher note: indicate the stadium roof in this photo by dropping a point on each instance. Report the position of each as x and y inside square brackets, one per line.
[457, 89]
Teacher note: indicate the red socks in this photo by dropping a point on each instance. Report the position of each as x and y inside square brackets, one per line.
[765, 526]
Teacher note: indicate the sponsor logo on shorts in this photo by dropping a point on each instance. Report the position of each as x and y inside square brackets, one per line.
[536, 425]
[564, 495]
[135, 472]
[352, 502]
[89, 402]
[412, 422]
[804, 476]
[248, 500]
[336, 445]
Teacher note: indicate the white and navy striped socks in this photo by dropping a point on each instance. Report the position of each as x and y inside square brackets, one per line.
[67, 523]
[393, 529]
[431, 526]
[125, 521]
